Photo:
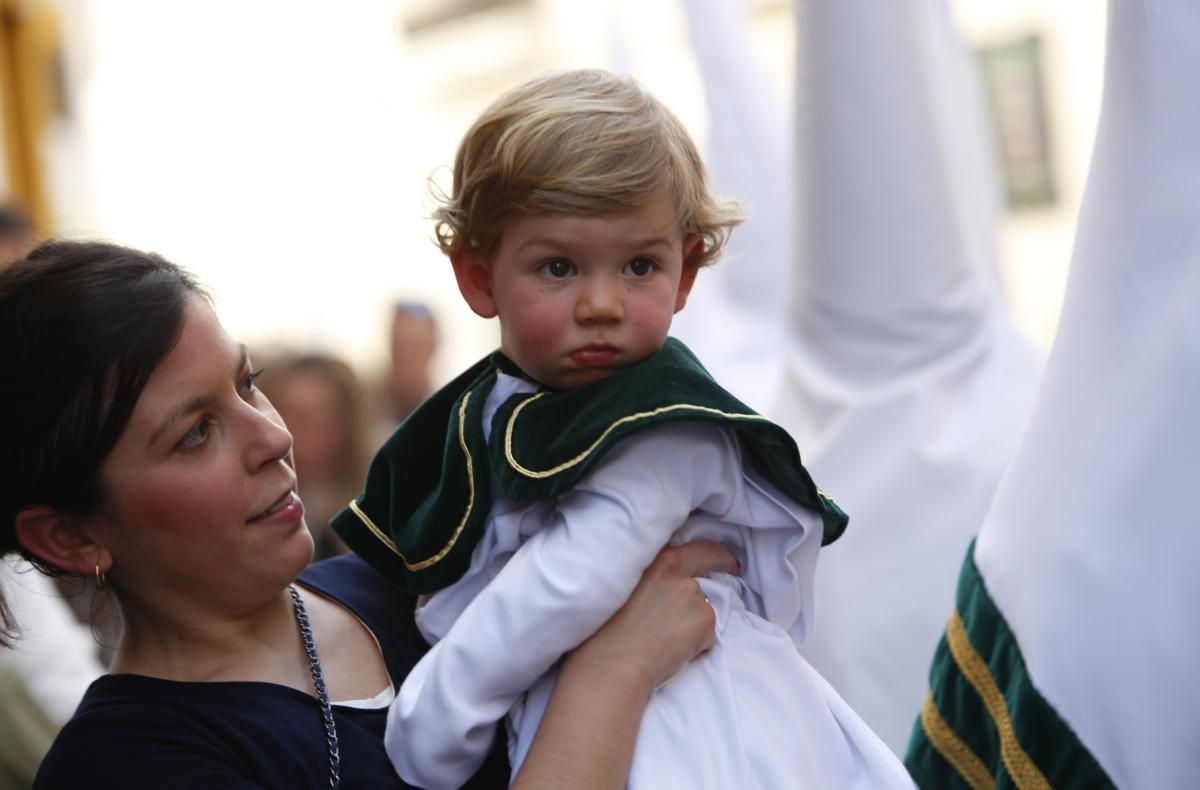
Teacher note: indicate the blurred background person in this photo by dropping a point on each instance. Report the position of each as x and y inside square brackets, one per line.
[413, 345]
[407, 378]
[17, 236]
[320, 399]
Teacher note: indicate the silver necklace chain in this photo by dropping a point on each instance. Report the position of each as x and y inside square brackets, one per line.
[318, 677]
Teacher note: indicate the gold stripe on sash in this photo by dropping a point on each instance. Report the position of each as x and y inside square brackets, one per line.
[1020, 767]
[444, 550]
[538, 475]
[954, 749]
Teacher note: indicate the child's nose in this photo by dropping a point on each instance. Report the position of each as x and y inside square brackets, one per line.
[600, 302]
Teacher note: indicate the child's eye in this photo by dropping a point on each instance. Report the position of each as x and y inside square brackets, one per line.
[557, 269]
[639, 267]
[196, 436]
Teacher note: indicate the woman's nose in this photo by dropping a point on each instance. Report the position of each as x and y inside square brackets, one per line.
[270, 440]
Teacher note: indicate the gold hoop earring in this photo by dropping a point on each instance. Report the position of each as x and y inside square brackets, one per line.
[101, 579]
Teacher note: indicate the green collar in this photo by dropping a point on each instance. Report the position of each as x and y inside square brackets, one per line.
[428, 492]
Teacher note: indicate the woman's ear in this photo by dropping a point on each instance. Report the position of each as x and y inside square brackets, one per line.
[474, 276]
[60, 540]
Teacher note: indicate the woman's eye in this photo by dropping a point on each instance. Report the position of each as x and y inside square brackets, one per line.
[248, 387]
[558, 269]
[639, 267]
[196, 436]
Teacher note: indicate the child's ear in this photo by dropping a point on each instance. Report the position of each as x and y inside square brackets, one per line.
[474, 276]
[693, 248]
[60, 540]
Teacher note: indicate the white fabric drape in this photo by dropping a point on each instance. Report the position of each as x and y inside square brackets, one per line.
[906, 384]
[1089, 548]
[734, 320]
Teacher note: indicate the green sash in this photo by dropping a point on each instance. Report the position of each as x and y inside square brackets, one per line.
[428, 491]
[984, 724]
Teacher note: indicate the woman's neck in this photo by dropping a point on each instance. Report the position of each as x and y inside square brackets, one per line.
[259, 645]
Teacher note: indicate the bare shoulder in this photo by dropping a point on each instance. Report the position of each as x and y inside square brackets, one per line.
[350, 655]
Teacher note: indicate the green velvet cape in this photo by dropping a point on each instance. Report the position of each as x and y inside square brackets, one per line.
[428, 491]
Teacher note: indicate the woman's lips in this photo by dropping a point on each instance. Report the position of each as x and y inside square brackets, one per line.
[287, 509]
[594, 356]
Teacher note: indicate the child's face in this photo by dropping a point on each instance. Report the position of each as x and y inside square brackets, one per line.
[581, 296]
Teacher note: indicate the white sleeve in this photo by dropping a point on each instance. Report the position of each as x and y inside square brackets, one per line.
[558, 588]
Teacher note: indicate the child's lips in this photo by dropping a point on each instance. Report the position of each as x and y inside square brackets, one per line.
[595, 355]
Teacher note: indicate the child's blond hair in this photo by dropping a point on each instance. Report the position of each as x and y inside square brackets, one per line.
[579, 142]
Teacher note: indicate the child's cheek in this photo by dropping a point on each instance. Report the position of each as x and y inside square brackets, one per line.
[545, 323]
[650, 320]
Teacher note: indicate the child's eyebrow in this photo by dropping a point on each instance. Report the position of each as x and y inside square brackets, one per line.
[653, 241]
[544, 242]
[566, 242]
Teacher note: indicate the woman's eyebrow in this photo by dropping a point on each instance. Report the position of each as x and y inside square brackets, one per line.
[196, 403]
[183, 409]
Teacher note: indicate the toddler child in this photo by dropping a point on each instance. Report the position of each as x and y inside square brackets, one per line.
[527, 497]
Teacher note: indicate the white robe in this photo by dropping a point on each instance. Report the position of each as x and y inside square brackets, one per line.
[750, 713]
[907, 383]
[1089, 548]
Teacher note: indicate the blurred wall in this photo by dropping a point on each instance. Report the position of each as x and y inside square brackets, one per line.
[280, 149]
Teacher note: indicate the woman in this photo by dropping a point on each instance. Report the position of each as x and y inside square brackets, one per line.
[138, 452]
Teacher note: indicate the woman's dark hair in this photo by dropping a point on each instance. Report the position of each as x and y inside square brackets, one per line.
[82, 326]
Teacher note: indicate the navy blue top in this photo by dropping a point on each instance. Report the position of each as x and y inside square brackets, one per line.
[132, 731]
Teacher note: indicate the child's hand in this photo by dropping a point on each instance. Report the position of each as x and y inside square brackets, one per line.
[667, 621]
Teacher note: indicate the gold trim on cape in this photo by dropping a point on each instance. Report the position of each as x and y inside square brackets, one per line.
[538, 475]
[442, 552]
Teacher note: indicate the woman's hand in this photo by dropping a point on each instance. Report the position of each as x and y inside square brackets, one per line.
[667, 621]
[586, 738]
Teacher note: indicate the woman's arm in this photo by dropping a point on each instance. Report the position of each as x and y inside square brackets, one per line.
[587, 736]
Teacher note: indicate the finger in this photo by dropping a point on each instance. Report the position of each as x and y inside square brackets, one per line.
[702, 557]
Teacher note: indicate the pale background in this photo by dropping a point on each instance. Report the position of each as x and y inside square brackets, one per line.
[280, 148]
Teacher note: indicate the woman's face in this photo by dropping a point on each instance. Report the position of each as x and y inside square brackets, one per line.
[200, 491]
